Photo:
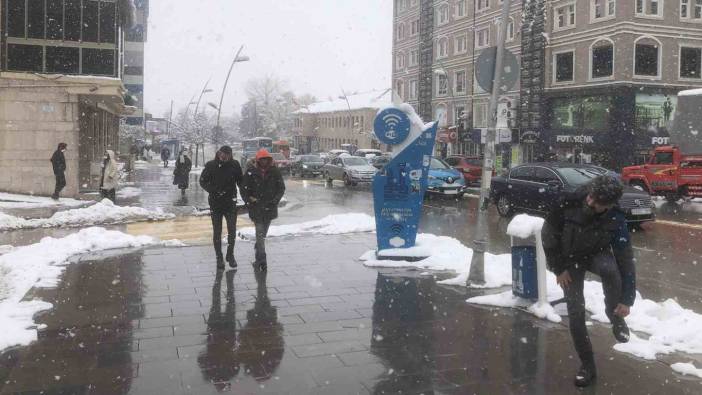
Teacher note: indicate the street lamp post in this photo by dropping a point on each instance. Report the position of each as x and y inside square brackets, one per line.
[197, 106]
[237, 58]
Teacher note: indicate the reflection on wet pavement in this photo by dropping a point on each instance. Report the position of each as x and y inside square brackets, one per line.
[164, 321]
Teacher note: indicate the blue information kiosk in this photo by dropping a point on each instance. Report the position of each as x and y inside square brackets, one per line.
[398, 189]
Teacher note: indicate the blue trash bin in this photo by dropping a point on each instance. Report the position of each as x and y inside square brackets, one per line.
[524, 279]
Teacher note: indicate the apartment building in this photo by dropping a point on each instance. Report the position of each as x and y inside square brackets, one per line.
[133, 76]
[598, 78]
[59, 82]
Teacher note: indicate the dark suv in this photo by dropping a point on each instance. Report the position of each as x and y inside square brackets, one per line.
[539, 187]
[307, 165]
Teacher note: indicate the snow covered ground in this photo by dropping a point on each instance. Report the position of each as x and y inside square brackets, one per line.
[11, 200]
[40, 265]
[104, 212]
[128, 192]
[329, 225]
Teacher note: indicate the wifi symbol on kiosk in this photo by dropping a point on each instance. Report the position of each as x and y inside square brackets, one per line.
[397, 228]
[392, 126]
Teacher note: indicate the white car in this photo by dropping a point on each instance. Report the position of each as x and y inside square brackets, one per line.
[368, 153]
[352, 170]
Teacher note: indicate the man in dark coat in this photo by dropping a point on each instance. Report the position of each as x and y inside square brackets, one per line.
[58, 161]
[220, 178]
[181, 173]
[263, 189]
[590, 233]
[165, 155]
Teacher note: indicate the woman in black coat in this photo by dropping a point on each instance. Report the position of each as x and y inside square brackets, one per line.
[263, 189]
[181, 174]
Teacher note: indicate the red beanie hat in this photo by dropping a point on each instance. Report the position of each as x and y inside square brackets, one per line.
[263, 153]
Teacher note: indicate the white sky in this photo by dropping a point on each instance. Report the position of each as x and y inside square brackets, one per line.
[318, 46]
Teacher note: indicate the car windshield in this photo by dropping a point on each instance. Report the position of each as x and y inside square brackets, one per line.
[438, 164]
[311, 159]
[355, 161]
[577, 176]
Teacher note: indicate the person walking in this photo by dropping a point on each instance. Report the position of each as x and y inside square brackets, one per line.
[58, 162]
[220, 179]
[181, 174]
[590, 233]
[110, 176]
[165, 155]
[263, 189]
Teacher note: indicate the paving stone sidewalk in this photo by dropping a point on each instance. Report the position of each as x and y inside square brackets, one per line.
[164, 321]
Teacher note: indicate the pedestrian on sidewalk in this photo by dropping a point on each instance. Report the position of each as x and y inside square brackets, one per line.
[181, 174]
[165, 155]
[58, 161]
[263, 189]
[109, 177]
[590, 233]
[220, 179]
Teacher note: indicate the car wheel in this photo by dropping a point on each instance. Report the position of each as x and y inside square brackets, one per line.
[460, 195]
[347, 180]
[504, 206]
[640, 185]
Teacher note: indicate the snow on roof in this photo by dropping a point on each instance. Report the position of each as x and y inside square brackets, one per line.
[372, 99]
[691, 92]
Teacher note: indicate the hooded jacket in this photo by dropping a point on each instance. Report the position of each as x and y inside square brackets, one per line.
[110, 175]
[267, 187]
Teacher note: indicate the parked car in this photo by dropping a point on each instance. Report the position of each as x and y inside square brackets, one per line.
[282, 162]
[336, 152]
[380, 161]
[368, 153]
[540, 187]
[470, 166]
[445, 180]
[352, 170]
[307, 165]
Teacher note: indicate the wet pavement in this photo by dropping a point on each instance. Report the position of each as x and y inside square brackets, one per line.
[163, 321]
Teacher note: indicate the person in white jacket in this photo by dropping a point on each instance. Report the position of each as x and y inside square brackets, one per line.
[110, 176]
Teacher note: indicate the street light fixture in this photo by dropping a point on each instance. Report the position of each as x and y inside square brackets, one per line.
[237, 59]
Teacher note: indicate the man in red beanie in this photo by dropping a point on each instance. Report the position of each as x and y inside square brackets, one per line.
[263, 189]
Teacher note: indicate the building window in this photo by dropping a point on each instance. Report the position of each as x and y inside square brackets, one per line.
[602, 60]
[54, 19]
[35, 19]
[443, 15]
[461, 8]
[400, 61]
[459, 112]
[564, 66]
[24, 57]
[398, 89]
[482, 38]
[400, 34]
[480, 115]
[510, 29]
[72, 20]
[564, 17]
[690, 61]
[649, 8]
[443, 48]
[461, 44]
[646, 59]
[108, 22]
[460, 82]
[63, 60]
[15, 18]
[483, 5]
[414, 27]
[414, 57]
[691, 10]
[603, 9]
[441, 84]
[413, 90]
[98, 61]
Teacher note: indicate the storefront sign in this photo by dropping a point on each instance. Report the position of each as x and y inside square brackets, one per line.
[529, 137]
[398, 190]
[582, 139]
[660, 140]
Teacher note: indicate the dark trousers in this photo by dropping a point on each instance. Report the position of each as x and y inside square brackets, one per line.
[260, 247]
[60, 184]
[605, 266]
[109, 194]
[217, 216]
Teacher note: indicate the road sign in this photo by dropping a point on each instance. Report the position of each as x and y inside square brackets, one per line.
[484, 70]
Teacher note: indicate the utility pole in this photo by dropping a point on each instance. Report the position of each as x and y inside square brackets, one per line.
[477, 266]
[168, 125]
[237, 58]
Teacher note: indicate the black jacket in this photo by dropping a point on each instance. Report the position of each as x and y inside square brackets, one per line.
[58, 161]
[268, 190]
[181, 173]
[572, 235]
[220, 180]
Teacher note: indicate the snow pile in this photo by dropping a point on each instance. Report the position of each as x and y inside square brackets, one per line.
[40, 265]
[104, 212]
[4, 249]
[524, 226]
[329, 225]
[687, 369]
[128, 192]
[445, 253]
[11, 200]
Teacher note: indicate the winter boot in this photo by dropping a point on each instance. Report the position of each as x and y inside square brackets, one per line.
[620, 329]
[230, 256]
[220, 262]
[587, 373]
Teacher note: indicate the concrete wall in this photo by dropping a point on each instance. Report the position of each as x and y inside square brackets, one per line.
[32, 123]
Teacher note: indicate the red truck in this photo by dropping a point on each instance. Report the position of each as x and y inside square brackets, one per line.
[668, 173]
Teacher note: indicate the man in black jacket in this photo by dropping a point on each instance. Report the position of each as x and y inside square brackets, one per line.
[220, 178]
[58, 161]
[263, 189]
[590, 234]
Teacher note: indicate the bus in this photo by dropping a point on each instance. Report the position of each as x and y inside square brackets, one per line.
[282, 147]
[251, 146]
